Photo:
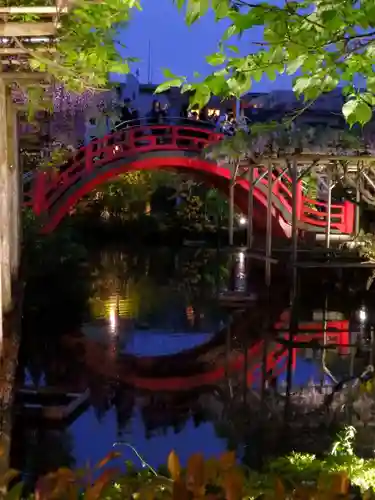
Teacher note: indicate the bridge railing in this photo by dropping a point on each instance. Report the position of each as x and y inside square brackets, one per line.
[316, 213]
[149, 137]
[168, 120]
[282, 189]
[184, 134]
[49, 186]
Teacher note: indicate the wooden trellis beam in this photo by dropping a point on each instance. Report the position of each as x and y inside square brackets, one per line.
[38, 11]
[21, 40]
[309, 158]
[13, 51]
[37, 29]
[26, 77]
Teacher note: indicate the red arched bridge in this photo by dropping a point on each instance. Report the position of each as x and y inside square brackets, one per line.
[53, 194]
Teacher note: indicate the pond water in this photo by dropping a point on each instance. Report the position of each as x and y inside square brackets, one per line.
[166, 363]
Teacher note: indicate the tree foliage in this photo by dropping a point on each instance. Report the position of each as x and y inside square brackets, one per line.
[323, 43]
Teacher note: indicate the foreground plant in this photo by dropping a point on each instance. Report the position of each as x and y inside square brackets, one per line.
[295, 476]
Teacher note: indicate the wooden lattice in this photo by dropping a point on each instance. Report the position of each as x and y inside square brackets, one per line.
[25, 32]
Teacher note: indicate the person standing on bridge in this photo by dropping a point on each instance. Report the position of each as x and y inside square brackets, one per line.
[135, 118]
[155, 116]
[165, 112]
[126, 113]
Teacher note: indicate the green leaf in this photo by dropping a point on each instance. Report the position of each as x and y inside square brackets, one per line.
[294, 66]
[217, 84]
[193, 11]
[221, 8]
[201, 96]
[179, 3]
[239, 84]
[230, 31]
[257, 75]
[167, 73]
[233, 48]
[204, 6]
[187, 87]
[176, 82]
[271, 73]
[15, 493]
[246, 21]
[357, 111]
[216, 59]
[301, 84]
[121, 67]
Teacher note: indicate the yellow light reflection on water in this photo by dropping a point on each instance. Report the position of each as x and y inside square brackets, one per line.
[112, 319]
[126, 308]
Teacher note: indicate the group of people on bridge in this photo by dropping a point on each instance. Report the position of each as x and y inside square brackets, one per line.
[224, 122]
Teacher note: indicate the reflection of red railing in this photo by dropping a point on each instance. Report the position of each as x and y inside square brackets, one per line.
[51, 192]
[277, 358]
[337, 333]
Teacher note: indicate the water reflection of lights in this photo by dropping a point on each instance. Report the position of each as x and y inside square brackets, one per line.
[112, 320]
[362, 315]
[126, 308]
[240, 273]
[241, 258]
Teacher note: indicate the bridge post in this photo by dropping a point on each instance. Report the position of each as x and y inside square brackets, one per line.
[357, 216]
[232, 183]
[294, 177]
[269, 224]
[250, 207]
[329, 209]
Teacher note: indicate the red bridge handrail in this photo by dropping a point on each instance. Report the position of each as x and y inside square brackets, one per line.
[48, 188]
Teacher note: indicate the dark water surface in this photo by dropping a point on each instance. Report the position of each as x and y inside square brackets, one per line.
[146, 334]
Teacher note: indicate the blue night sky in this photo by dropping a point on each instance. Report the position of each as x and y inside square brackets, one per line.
[180, 48]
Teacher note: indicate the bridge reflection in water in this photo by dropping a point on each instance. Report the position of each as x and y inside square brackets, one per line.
[154, 365]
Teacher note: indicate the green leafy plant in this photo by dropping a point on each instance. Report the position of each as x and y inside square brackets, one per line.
[295, 476]
[322, 44]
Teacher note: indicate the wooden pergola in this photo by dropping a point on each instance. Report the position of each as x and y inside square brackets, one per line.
[355, 170]
[20, 42]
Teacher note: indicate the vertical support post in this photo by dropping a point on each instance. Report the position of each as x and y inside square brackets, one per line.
[294, 176]
[269, 225]
[9, 213]
[250, 207]
[357, 220]
[6, 295]
[231, 212]
[228, 348]
[15, 186]
[293, 329]
[329, 209]
[349, 406]
[264, 371]
[323, 354]
[245, 370]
